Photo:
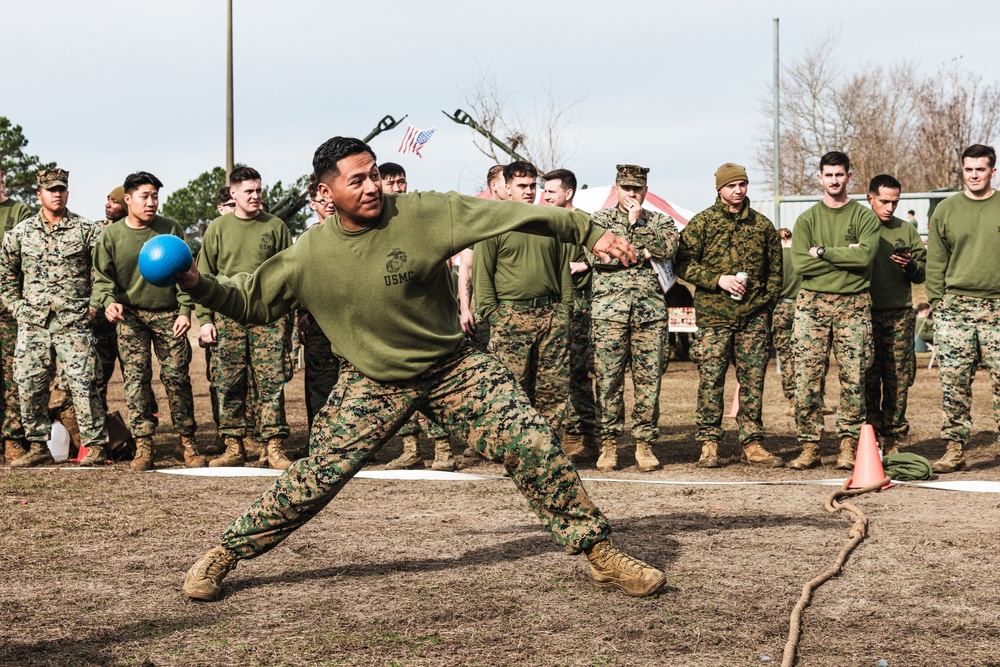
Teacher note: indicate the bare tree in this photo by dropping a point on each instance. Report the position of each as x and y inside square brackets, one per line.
[887, 118]
[540, 136]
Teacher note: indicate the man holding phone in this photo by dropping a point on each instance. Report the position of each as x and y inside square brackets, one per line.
[900, 262]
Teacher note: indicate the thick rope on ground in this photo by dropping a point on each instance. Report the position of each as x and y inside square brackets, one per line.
[856, 533]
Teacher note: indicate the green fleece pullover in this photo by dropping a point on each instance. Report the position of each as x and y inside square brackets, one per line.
[792, 281]
[384, 295]
[842, 269]
[963, 248]
[116, 269]
[892, 284]
[233, 245]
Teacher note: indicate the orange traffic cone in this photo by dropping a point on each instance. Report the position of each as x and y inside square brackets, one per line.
[868, 469]
[735, 407]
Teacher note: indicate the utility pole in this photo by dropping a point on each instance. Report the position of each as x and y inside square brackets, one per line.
[229, 91]
[777, 130]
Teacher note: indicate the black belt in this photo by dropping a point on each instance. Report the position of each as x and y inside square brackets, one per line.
[537, 302]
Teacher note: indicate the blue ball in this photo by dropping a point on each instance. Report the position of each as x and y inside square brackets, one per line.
[162, 258]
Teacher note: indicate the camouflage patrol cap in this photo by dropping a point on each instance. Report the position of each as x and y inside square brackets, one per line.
[53, 178]
[631, 174]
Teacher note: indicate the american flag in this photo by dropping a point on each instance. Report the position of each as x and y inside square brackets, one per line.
[415, 139]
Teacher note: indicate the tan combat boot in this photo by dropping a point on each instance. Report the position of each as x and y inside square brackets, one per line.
[809, 458]
[953, 459]
[613, 568]
[709, 455]
[276, 456]
[12, 451]
[845, 460]
[217, 446]
[608, 460]
[443, 459]
[410, 458]
[36, 455]
[204, 580]
[96, 456]
[187, 452]
[143, 453]
[572, 444]
[756, 455]
[234, 455]
[644, 457]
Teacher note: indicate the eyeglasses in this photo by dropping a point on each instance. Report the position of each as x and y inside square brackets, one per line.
[231, 204]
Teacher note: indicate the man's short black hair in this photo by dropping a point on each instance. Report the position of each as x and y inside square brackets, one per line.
[134, 181]
[835, 159]
[334, 150]
[390, 169]
[224, 196]
[519, 169]
[981, 150]
[911, 212]
[883, 181]
[244, 174]
[567, 177]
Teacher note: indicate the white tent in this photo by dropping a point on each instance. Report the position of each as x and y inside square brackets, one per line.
[592, 199]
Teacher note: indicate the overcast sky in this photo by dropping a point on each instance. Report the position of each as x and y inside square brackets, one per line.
[107, 87]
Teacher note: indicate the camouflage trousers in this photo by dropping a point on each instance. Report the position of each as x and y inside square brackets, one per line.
[616, 346]
[106, 344]
[322, 369]
[843, 322]
[893, 369]
[141, 334]
[581, 410]
[781, 331]
[10, 398]
[748, 347]
[38, 348]
[469, 392]
[246, 353]
[533, 343]
[966, 330]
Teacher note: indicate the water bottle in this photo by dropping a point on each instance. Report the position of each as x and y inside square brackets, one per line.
[59, 442]
[742, 277]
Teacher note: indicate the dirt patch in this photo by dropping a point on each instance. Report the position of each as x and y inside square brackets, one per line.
[460, 573]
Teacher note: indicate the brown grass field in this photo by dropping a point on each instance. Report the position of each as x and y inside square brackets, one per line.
[403, 572]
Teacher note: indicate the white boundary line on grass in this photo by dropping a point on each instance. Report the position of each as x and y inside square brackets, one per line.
[976, 486]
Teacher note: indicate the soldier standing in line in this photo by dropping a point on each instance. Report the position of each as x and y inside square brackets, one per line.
[12, 431]
[581, 437]
[105, 332]
[963, 286]
[899, 264]
[394, 182]
[147, 316]
[783, 318]
[45, 283]
[524, 288]
[629, 321]
[833, 245]
[322, 368]
[405, 354]
[732, 255]
[239, 242]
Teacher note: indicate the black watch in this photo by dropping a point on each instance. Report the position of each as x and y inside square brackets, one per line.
[820, 251]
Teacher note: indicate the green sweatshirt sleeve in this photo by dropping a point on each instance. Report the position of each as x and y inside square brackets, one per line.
[938, 255]
[484, 263]
[207, 266]
[804, 263]
[258, 298]
[105, 276]
[862, 255]
[566, 287]
[916, 271]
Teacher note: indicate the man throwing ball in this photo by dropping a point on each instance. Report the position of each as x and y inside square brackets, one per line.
[405, 355]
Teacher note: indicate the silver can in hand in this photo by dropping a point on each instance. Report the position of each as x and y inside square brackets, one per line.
[742, 277]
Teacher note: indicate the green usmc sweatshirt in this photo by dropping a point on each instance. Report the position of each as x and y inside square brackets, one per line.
[842, 269]
[963, 248]
[384, 295]
[116, 269]
[892, 285]
[233, 245]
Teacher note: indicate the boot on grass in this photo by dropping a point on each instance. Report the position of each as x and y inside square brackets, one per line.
[809, 458]
[143, 453]
[756, 455]
[443, 460]
[96, 456]
[187, 452]
[410, 458]
[644, 457]
[12, 451]
[709, 455]
[845, 460]
[233, 456]
[277, 457]
[613, 568]
[953, 459]
[204, 580]
[38, 454]
[608, 460]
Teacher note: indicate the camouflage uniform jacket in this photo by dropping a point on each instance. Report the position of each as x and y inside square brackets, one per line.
[716, 243]
[632, 293]
[46, 271]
